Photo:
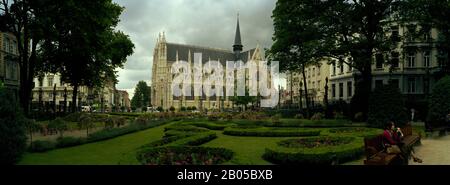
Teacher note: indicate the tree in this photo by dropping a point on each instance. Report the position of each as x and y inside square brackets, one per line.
[242, 100]
[85, 121]
[297, 39]
[12, 129]
[25, 19]
[82, 44]
[387, 104]
[31, 127]
[439, 104]
[60, 125]
[141, 97]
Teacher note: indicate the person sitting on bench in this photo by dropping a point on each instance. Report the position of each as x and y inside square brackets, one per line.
[392, 138]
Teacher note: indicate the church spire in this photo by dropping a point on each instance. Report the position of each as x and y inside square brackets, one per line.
[237, 47]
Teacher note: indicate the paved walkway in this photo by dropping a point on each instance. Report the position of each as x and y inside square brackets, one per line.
[434, 151]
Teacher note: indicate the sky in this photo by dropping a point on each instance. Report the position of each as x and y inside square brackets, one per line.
[210, 23]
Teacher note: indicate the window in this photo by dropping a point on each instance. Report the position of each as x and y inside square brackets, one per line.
[334, 69]
[341, 66]
[394, 82]
[349, 89]
[307, 72]
[378, 83]
[426, 59]
[318, 70]
[333, 90]
[427, 36]
[379, 61]
[11, 70]
[40, 82]
[411, 85]
[394, 59]
[314, 85]
[341, 90]
[411, 59]
[350, 68]
[394, 34]
[50, 81]
[313, 71]
[16, 48]
[4, 42]
[318, 84]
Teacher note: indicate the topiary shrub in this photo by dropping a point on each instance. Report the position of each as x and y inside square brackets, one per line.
[12, 129]
[386, 104]
[439, 104]
[62, 142]
[359, 117]
[276, 118]
[299, 116]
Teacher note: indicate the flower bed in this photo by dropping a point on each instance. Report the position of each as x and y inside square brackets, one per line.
[315, 150]
[182, 155]
[271, 132]
[356, 131]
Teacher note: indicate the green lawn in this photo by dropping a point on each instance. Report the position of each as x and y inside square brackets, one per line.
[120, 150]
[248, 150]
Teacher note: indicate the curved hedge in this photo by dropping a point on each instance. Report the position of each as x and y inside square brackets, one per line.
[182, 155]
[271, 132]
[356, 131]
[353, 149]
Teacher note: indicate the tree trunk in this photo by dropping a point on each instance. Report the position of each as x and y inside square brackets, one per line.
[74, 97]
[306, 91]
[291, 92]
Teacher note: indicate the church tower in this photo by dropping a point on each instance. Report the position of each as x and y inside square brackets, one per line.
[237, 47]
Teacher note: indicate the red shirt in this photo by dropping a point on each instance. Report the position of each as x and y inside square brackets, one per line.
[390, 138]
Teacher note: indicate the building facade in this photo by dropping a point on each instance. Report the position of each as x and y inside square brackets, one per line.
[165, 54]
[9, 65]
[316, 77]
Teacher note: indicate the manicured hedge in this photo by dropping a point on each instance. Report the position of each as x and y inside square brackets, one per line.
[271, 132]
[211, 126]
[42, 146]
[126, 114]
[325, 123]
[317, 155]
[194, 140]
[180, 132]
[182, 155]
[356, 131]
[185, 127]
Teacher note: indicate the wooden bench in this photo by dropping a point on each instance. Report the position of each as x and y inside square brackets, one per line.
[376, 153]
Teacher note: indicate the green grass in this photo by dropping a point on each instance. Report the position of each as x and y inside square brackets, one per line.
[248, 150]
[120, 150]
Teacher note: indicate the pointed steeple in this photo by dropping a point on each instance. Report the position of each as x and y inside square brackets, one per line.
[237, 47]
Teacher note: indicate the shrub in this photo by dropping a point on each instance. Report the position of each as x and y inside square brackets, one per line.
[194, 140]
[189, 109]
[181, 155]
[42, 146]
[62, 142]
[183, 109]
[211, 126]
[439, 104]
[350, 148]
[58, 124]
[172, 109]
[386, 104]
[359, 117]
[159, 109]
[317, 116]
[109, 123]
[338, 115]
[12, 129]
[271, 132]
[276, 118]
[357, 131]
[299, 116]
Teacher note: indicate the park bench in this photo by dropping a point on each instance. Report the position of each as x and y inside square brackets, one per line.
[376, 153]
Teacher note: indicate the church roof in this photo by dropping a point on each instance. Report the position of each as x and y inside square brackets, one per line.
[207, 53]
